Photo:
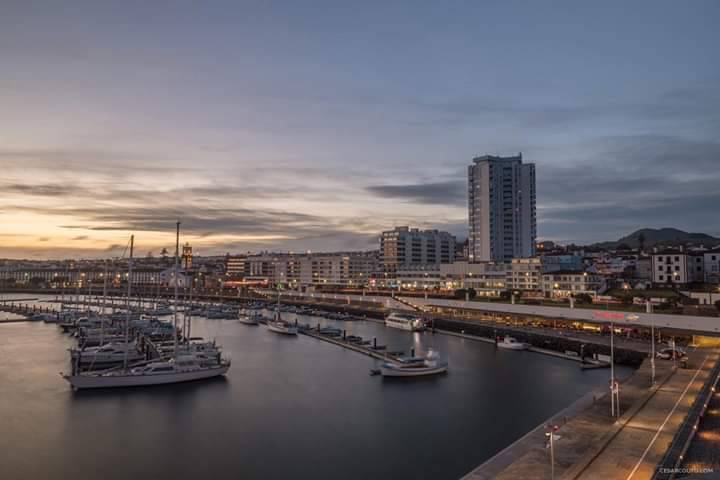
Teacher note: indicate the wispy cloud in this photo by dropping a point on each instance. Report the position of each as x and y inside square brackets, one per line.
[435, 193]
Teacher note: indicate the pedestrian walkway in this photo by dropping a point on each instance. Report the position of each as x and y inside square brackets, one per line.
[591, 445]
[636, 450]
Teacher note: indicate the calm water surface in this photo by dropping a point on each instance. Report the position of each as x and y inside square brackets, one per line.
[289, 407]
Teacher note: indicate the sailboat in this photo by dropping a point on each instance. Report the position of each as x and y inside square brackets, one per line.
[190, 365]
[278, 325]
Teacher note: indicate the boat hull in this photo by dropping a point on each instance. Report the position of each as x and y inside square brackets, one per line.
[80, 382]
[403, 326]
[413, 372]
[248, 321]
[512, 346]
[291, 330]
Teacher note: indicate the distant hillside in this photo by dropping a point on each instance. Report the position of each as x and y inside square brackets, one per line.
[661, 237]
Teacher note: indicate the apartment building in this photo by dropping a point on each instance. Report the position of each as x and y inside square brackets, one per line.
[501, 209]
[405, 246]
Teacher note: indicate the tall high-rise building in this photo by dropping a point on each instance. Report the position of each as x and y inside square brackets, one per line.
[501, 201]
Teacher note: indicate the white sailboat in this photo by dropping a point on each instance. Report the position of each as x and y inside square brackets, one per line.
[278, 325]
[108, 353]
[179, 368]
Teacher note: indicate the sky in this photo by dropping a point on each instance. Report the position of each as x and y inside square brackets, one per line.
[314, 125]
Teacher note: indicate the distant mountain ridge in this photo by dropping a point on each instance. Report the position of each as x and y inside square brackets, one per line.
[661, 237]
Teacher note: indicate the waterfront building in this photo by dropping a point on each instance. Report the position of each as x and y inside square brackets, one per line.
[524, 274]
[237, 266]
[419, 276]
[501, 208]
[351, 269]
[567, 283]
[488, 279]
[404, 246]
[292, 270]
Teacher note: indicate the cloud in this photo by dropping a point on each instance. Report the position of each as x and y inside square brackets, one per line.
[452, 193]
[629, 182]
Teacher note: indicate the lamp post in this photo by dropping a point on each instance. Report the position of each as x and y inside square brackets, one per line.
[652, 351]
[551, 435]
[612, 370]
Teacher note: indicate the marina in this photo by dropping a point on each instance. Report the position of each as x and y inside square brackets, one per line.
[292, 393]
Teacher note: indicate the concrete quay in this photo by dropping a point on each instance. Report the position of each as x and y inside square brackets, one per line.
[591, 445]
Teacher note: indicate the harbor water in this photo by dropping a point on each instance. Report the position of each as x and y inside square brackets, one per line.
[290, 407]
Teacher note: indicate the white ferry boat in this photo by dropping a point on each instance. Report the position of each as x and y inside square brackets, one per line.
[404, 321]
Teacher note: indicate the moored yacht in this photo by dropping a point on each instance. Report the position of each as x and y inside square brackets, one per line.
[248, 317]
[183, 368]
[108, 353]
[510, 343]
[430, 365]
[404, 321]
[278, 325]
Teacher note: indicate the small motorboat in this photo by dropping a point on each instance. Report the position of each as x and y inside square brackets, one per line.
[430, 365]
[510, 343]
[248, 317]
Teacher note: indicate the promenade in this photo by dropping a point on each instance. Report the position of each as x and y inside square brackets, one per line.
[590, 445]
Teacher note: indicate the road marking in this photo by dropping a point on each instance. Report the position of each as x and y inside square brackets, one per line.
[657, 434]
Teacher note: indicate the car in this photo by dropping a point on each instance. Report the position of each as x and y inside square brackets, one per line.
[670, 353]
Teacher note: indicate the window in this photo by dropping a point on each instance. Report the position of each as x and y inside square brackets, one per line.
[677, 268]
[677, 259]
[661, 278]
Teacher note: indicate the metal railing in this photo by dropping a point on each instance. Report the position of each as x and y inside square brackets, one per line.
[669, 466]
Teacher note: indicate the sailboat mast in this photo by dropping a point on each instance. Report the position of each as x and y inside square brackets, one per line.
[189, 315]
[127, 302]
[102, 308]
[175, 303]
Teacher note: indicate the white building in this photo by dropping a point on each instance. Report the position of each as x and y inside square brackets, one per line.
[320, 269]
[488, 279]
[677, 267]
[566, 283]
[404, 246]
[501, 205]
[712, 265]
[524, 274]
[420, 277]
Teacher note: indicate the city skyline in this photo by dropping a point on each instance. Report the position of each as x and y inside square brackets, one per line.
[317, 128]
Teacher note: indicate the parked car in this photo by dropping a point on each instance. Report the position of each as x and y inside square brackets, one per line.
[670, 353]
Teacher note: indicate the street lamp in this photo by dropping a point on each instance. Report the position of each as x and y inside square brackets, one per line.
[614, 386]
[551, 437]
[652, 351]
